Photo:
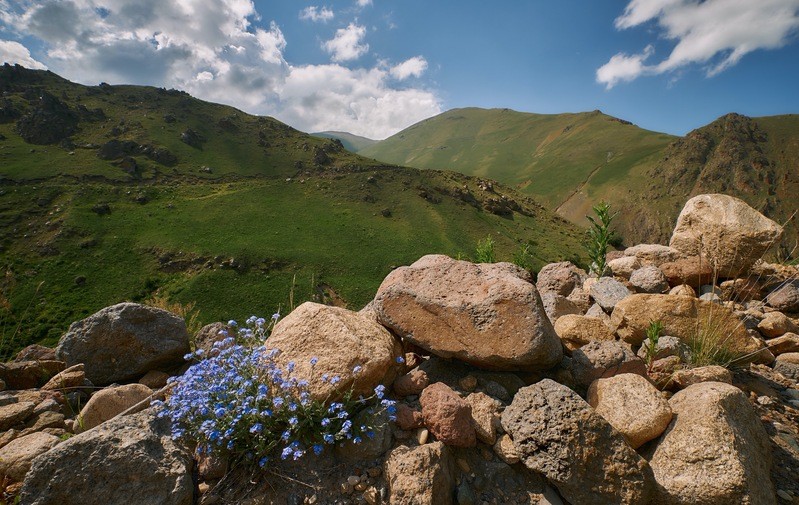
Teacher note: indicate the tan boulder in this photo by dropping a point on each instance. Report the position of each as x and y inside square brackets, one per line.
[485, 416]
[154, 379]
[557, 306]
[15, 413]
[597, 360]
[423, 475]
[775, 324]
[575, 331]
[682, 317]
[652, 254]
[488, 315]
[788, 365]
[72, 377]
[560, 278]
[506, 450]
[624, 266]
[16, 456]
[340, 340]
[107, 403]
[632, 405]
[715, 450]
[683, 290]
[693, 270]
[725, 230]
[711, 373]
[788, 342]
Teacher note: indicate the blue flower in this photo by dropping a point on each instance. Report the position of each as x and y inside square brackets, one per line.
[325, 421]
[314, 361]
[257, 428]
[276, 316]
[277, 401]
[318, 448]
[380, 390]
[400, 359]
[357, 369]
[329, 439]
[335, 380]
[263, 461]
[286, 453]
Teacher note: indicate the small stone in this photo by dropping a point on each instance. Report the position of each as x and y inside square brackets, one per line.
[485, 416]
[422, 435]
[370, 495]
[683, 290]
[374, 472]
[353, 479]
[789, 342]
[506, 450]
[468, 383]
[649, 279]
[72, 377]
[203, 487]
[154, 379]
[408, 418]
[784, 495]
[347, 488]
[463, 465]
[412, 383]
[764, 400]
[361, 486]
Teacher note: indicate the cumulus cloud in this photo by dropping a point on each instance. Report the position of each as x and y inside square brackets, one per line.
[15, 53]
[412, 67]
[317, 14]
[360, 101]
[217, 50]
[347, 44]
[713, 33]
[363, 3]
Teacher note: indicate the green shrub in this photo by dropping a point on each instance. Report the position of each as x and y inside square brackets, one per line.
[485, 251]
[599, 237]
[653, 332]
[523, 257]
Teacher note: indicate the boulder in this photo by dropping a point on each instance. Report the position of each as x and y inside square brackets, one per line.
[649, 279]
[693, 271]
[154, 379]
[785, 298]
[653, 254]
[340, 340]
[775, 324]
[683, 290]
[597, 360]
[624, 266]
[558, 434]
[412, 383]
[15, 413]
[725, 230]
[447, 415]
[788, 365]
[715, 450]
[557, 306]
[576, 331]
[690, 376]
[16, 456]
[124, 341]
[682, 317]
[485, 413]
[72, 377]
[127, 457]
[36, 352]
[210, 334]
[560, 278]
[107, 403]
[632, 405]
[488, 315]
[789, 342]
[423, 475]
[581, 298]
[28, 374]
[607, 292]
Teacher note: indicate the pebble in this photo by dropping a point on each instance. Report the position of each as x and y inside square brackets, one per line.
[347, 488]
[361, 486]
[371, 496]
[764, 400]
[353, 479]
[784, 495]
[203, 487]
[464, 465]
[374, 472]
[468, 383]
[422, 435]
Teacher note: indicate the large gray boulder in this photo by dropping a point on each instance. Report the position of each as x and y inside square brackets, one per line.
[715, 451]
[123, 342]
[128, 459]
[726, 231]
[558, 434]
[488, 315]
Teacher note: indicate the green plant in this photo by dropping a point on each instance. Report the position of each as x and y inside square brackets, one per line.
[10, 326]
[485, 251]
[599, 236]
[653, 332]
[711, 342]
[523, 257]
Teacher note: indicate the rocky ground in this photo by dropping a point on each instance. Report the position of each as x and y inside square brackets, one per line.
[509, 391]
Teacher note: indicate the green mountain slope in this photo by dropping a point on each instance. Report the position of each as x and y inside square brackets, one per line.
[352, 143]
[548, 156]
[571, 161]
[103, 198]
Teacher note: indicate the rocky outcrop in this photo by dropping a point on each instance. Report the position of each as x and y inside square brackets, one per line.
[559, 435]
[715, 451]
[725, 230]
[123, 342]
[488, 315]
[340, 340]
[127, 457]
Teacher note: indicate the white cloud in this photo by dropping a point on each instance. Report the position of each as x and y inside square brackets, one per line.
[15, 53]
[712, 33]
[412, 67]
[333, 97]
[347, 44]
[317, 14]
[363, 3]
[623, 67]
[217, 50]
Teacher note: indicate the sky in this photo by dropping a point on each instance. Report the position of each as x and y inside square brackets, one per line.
[374, 67]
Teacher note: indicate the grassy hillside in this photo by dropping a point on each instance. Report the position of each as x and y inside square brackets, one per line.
[571, 161]
[548, 156]
[251, 216]
[352, 143]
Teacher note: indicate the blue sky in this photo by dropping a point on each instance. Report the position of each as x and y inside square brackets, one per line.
[373, 67]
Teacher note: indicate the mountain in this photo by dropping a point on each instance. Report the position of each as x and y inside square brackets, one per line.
[352, 143]
[112, 193]
[569, 162]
